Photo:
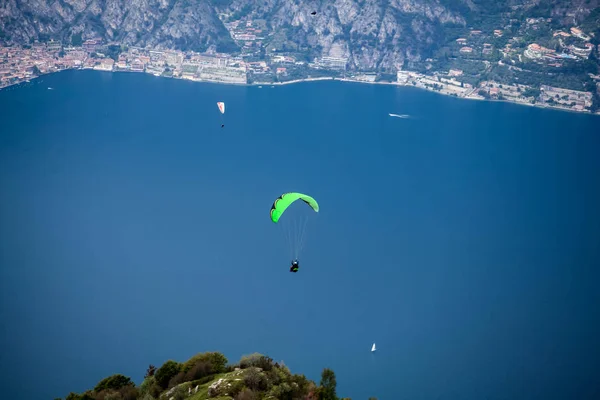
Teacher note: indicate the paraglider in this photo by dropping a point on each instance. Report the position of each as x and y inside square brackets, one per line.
[293, 225]
[221, 106]
[295, 266]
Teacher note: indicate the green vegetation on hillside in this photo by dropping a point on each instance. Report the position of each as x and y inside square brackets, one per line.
[209, 376]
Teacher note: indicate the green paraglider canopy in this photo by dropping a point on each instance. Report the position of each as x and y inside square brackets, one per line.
[293, 225]
[285, 200]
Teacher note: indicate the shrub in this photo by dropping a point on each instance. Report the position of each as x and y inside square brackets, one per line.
[146, 386]
[312, 390]
[246, 394]
[278, 375]
[114, 382]
[300, 386]
[249, 360]
[257, 360]
[76, 396]
[177, 379]
[327, 387]
[281, 391]
[255, 380]
[179, 393]
[273, 376]
[108, 395]
[216, 360]
[125, 393]
[265, 362]
[130, 393]
[167, 371]
[198, 371]
[235, 388]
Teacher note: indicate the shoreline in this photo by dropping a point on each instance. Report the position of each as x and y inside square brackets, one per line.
[469, 97]
[325, 78]
[472, 97]
[321, 78]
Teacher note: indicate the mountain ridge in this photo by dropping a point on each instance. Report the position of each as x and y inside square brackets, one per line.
[209, 376]
[377, 35]
[477, 45]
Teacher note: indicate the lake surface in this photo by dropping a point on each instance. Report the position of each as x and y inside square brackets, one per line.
[464, 240]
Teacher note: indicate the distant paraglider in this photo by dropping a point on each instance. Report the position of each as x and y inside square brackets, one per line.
[294, 226]
[221, 106]
[295, 266]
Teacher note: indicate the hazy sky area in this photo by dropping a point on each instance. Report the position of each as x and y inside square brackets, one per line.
[463, 240]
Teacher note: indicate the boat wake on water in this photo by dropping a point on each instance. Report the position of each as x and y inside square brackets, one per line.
[399, 115]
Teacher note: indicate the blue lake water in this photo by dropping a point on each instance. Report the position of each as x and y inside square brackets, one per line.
[464, 240]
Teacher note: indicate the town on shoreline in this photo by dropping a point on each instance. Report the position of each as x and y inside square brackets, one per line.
[22, 63]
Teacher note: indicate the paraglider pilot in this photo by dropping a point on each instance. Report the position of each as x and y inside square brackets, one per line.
[295, 266]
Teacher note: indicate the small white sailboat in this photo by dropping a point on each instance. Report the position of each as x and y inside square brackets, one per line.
[373, 348]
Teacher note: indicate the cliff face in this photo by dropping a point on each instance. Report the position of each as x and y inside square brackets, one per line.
[181, 24]
[372, 34]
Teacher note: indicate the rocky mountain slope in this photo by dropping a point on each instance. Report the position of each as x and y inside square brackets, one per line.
[158, 23]
[378, 35]
[209, 376]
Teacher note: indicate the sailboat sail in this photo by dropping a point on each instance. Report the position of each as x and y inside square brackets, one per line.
[373, 348]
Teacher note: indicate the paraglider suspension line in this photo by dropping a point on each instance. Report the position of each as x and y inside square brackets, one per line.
[295, 235]
[301, 236]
